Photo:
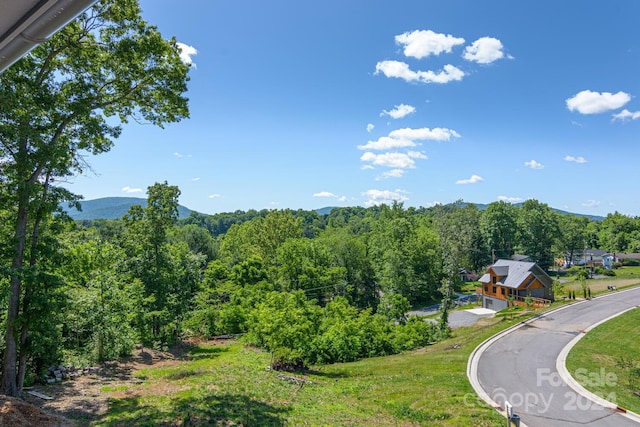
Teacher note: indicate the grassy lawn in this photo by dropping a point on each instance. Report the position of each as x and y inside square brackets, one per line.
[227, 384]
[625, 277]
[594, 361]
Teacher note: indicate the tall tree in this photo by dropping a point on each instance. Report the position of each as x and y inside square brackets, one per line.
[537, 231]
[459, 228]
[573, 235]
[65, 100]
[169, 271]
[498, 227]
[618, 231]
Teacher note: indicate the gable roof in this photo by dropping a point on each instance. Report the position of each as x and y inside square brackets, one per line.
[515, 273]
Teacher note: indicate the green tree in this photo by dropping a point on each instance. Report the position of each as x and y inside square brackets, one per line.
[170, 272]
[308, 265]
[285, 324]
[199, 240]
[537, 232]
[618, 233]
[498, 227]
[104, 303]
[66, 99]
[573, 235]
[404, 252]
[350, 252]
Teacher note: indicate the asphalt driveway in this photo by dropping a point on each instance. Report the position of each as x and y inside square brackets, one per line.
[520, 367]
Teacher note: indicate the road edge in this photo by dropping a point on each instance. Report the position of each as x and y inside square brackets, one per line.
[561, 367]
[472, 362]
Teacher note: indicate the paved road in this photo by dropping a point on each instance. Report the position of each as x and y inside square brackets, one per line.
[521, 366]
[461, 300]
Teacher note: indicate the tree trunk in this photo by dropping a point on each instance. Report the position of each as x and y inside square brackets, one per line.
[33, 259]
[9, 384]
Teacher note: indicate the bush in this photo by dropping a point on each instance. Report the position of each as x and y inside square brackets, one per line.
[414, 334]
[285, 324]
[630, 262]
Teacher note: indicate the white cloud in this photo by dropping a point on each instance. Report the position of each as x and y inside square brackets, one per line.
[399, 111]
[485, 50]
[393, 173]
[324, 194]
[370, 127]
[625, 115]
[401, 70]
[435, 134]
[214, 196]
[422, 43]
[195, 179]
[342, 198]
[366, 167]
[393, 160]
[406, 137]
[510, 199]
[186, 52]
[387, 143]
[533, 164]
[473, 180]
[131, 190]
[578, 159]
[377, 197]
[591, 204]
[417, 155]
[588, 102]
[180, 155]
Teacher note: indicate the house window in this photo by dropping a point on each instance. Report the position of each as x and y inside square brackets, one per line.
[493, 279]
[502, 291]
[486, 288]
[494, 289]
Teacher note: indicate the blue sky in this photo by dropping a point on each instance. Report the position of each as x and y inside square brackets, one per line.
[300, 104]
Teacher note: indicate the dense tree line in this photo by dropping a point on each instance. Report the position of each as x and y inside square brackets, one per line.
[338, 293]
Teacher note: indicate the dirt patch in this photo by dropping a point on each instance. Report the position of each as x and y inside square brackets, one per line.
[85, 399]
[18, 413]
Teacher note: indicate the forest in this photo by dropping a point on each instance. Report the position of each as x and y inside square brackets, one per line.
[308, 288]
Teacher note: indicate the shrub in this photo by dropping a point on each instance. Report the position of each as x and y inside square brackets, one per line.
[414, 334]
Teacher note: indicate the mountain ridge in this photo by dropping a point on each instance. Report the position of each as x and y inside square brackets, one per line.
[112, 208]
[116, 207]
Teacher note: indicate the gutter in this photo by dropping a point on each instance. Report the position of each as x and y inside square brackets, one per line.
[36, 26]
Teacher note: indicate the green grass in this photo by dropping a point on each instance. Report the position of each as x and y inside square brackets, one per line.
[593, 362]
[228, 385]
[625, 277]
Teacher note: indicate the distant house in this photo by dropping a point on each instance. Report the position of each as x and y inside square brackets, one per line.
[633, 257]
[587, 257]
[467, 276]
[517, 279]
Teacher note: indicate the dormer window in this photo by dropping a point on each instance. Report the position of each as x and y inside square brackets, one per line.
[494, 279]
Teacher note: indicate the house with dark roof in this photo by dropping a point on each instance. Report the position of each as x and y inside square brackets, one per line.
[522, 281]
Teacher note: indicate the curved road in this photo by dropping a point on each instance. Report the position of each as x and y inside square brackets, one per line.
[520, 367]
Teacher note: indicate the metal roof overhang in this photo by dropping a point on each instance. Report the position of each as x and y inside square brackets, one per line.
[27, 23]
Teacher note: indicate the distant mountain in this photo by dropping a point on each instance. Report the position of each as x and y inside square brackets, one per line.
[325, 211]
[112, 208]
[482, 206]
